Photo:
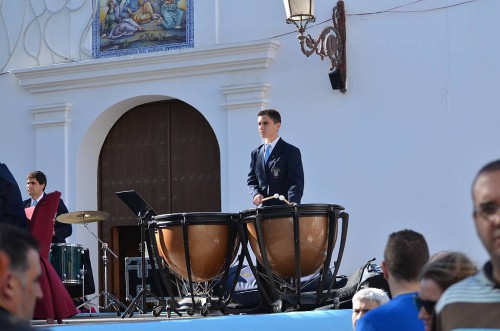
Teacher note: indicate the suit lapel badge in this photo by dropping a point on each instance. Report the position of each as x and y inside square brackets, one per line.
[275, 171]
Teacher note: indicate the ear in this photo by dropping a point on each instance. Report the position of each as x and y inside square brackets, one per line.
[384, 270]
[9, 289]
[6, 277]
[4, 268]
[475, 216]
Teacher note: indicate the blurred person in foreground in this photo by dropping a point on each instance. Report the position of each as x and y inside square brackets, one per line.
[19, 278]
[11, 203]
[475, 301]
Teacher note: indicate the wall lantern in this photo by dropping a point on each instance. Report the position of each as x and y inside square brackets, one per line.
[331, 41]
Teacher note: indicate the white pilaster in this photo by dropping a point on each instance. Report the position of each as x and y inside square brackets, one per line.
[51, 123]
[243, 102]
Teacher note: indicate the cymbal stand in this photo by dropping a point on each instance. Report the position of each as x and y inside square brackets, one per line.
[113, 301]
[85, 302]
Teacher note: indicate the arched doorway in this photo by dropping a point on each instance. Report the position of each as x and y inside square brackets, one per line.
[168, 153]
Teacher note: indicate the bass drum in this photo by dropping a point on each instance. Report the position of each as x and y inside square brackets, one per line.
[67, 259]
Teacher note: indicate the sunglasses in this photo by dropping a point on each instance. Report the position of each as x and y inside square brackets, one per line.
[427, 304]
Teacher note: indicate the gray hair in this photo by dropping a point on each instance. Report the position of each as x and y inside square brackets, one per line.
[371, 294]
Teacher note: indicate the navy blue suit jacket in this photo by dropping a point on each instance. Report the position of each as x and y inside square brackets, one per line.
[9, 322]
[62, 230]
[282, 174]
[11, 203]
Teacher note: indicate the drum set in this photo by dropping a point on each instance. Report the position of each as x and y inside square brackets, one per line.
[67, 259]
[72, 263]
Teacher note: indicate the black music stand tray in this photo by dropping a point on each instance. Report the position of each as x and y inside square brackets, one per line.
[144, 212]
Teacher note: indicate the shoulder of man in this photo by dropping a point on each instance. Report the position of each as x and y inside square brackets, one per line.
[258, 149]
[10, 322]
[399, 311]
[471, 303]
[366, 324]
[373, 318]
[288, 146]
[475, 288]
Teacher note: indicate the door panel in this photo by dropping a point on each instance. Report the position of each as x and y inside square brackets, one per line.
[168, 153]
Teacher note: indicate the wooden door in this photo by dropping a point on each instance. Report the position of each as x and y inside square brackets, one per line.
[168, 153]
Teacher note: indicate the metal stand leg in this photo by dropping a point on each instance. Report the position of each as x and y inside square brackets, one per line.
[109, 299]
[85, 301]
[144, 292]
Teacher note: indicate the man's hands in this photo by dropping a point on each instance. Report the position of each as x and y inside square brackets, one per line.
[257, 200]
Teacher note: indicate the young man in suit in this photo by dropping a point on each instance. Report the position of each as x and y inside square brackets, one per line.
[36, 183]
[276, 166]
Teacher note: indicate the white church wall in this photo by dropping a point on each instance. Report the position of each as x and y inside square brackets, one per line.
[398, 150]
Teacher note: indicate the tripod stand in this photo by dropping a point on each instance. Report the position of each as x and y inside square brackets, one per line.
[109, 299]
[144, 292]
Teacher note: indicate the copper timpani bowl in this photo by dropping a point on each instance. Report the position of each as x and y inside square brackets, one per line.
[278, 236]
[208, 241]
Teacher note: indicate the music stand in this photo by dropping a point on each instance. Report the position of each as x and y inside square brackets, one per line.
[144, 212]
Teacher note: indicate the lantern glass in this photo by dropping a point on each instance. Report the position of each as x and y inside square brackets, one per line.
[299, 10]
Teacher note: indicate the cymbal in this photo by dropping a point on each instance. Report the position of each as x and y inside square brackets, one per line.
[83, 217]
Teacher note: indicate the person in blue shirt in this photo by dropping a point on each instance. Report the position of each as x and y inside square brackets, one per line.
[405, 254]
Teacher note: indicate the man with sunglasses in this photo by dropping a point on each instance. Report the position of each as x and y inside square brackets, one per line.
[475, 301]
[406, 252]
[442, 271]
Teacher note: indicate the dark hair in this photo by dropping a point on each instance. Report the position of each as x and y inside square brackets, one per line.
[39, 176]
[449, 269]
[405, 254]
[16, 243]
[272, 113]
[490, 167]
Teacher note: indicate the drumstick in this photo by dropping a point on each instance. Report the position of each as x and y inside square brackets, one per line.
[282, 198]
[275, 196]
